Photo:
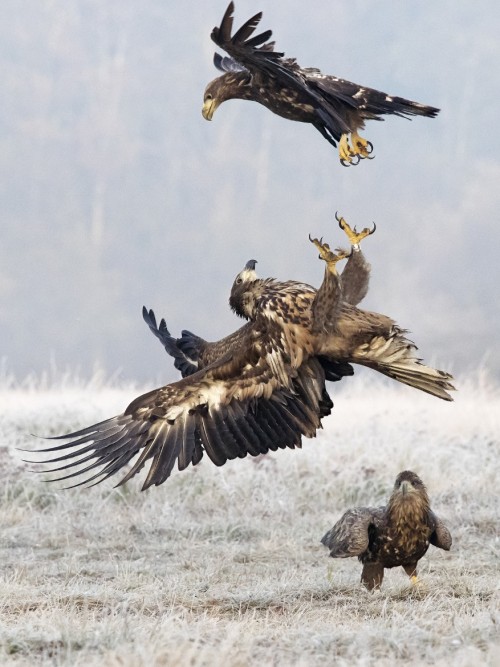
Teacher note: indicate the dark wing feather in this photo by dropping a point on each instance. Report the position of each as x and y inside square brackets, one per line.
[251, 54]
[241, 44]
[315, 89]
[349, 536]
[192, 353]
[206, 353]
[335, 370]
[234, 407]
[226, 26]
[441, 536]
[227, 64]
[247, 29]
[182, 361]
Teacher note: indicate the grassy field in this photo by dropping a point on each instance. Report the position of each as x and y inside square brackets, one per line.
[224, 566]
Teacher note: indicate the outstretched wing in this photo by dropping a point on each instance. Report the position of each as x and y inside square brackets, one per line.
[441, 536]
[328, 95]
[190, 352]
[350, 536]
[236, 406]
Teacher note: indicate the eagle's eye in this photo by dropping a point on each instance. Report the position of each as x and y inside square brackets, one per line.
[239, 281]
[208, 97]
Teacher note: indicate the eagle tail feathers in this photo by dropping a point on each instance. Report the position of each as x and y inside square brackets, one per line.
[395, 358]
[380, 103]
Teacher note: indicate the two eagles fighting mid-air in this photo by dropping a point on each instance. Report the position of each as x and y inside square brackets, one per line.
[263, 387]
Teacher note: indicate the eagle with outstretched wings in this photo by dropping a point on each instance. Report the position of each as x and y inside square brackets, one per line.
[396, 535]
[261, 388]
[337, 108]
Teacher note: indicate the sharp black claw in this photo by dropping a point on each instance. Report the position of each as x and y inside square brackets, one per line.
[374, 228]
[344, 163]
[354, 164]
[370, 145]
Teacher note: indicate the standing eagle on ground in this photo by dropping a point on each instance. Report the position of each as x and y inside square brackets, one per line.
[337, 108]
[396, 535]
[263, 387]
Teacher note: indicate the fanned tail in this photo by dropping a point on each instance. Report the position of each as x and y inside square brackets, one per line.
[394, 356]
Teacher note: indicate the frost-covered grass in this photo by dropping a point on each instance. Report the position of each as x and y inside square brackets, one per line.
[224, 566]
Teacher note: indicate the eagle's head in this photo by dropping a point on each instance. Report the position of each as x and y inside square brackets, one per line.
[232, 85]
[245, 290]
[409, 494]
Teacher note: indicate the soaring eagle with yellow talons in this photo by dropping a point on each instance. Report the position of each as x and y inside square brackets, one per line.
[337, 108]
[261, 388]
[396, 535]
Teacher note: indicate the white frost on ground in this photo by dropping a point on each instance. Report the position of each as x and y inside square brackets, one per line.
[223, 566]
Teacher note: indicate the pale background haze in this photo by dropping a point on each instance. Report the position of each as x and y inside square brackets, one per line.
[117, 193]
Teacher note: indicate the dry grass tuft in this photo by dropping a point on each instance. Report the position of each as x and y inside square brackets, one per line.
[224, 566]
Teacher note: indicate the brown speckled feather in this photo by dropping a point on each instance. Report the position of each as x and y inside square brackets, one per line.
[398, 534]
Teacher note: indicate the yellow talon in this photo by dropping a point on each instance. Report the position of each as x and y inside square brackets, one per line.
[360, 146]
[354, 237]
[331, 258]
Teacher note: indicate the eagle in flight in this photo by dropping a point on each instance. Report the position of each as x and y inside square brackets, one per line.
[259, 389]
[396, 535]
[337, 108]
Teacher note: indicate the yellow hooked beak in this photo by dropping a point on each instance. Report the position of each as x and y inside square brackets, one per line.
[209, 107]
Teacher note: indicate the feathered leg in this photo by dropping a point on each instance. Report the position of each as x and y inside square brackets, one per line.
[372, 575]
[411, 571]
[328, 299]
[356, 274]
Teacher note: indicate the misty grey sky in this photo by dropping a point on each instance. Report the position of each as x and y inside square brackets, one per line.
[117, 193]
